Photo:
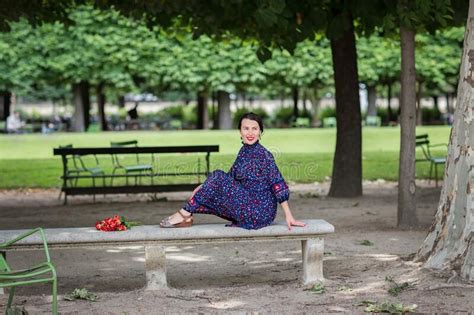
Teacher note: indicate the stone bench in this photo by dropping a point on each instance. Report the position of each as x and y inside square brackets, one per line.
[155, 239]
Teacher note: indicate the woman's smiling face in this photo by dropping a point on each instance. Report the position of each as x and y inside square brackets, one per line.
[249, 131]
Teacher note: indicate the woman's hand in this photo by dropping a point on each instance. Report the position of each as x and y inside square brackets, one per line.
[290, 221]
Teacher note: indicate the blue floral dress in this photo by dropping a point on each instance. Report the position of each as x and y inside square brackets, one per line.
[248, 194]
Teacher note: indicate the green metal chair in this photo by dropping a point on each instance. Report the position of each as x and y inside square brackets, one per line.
[329, 122]
[137, 169]
[374, 121]
[40, 273]
[78, 166]
[302, 122]
[423, 142]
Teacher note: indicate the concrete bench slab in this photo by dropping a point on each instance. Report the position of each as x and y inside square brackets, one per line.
[155, 239]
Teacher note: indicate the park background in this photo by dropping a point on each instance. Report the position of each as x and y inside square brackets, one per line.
[79, 83]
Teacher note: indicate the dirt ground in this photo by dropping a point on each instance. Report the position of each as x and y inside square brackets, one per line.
[262, 277]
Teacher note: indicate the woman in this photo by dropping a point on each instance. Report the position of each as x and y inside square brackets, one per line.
[248, 194]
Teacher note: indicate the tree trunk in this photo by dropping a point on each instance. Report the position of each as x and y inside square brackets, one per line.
[419, 115]
[101, 107]
[305, 100]
[371, 101]
[81, 106]
[449, 109]
[450, 241]
[202, 116]
[389, 102]
[214, 111]
[347, 165]
[315, 104]
[406, 172]
[223, 108]
[121, 101]
[295, 93]
[5, 103]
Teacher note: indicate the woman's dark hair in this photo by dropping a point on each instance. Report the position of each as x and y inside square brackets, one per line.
[252, 116]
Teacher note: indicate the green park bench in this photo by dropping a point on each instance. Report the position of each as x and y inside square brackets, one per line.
[77, 170]
[423, 142]
[154, 239]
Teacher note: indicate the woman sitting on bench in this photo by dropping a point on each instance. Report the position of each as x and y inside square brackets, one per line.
[248, 194]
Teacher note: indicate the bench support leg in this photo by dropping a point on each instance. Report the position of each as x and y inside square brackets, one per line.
[313, 252]
[155, 264]
[4, 255]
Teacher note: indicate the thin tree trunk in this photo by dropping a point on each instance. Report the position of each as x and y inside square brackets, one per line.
[371, 100]
[347, 165]
[214, 111]
[81, 106]
[450, 241]
[406, 175]
[202, 119]
[315, 105]
[223, 108]
[419, 115]
[389, 102]
[449, 109]
[5, 103]
[101, 107]
[295, 93]
[305, 100]
[121, 101]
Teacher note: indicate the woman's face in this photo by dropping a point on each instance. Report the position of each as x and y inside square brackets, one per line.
[249, 131]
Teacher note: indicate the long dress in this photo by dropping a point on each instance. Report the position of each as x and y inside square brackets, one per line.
[248, 194]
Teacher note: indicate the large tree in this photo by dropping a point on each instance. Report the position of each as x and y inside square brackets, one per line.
[450, 241]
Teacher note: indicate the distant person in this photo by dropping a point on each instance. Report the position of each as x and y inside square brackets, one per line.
[133, 113]
[14, 123]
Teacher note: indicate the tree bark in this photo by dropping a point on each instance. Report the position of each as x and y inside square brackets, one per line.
[81, 106]
[406, 174]
[223, 108]
[347, 165]
[295, 93]
[450, 241]
[371, 100]
[202, 116]
[5, 104]
[101, 107]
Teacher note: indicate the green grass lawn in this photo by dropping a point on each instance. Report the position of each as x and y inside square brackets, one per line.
[303, 155]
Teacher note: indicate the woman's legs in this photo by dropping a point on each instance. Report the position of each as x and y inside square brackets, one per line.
[216, 197]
